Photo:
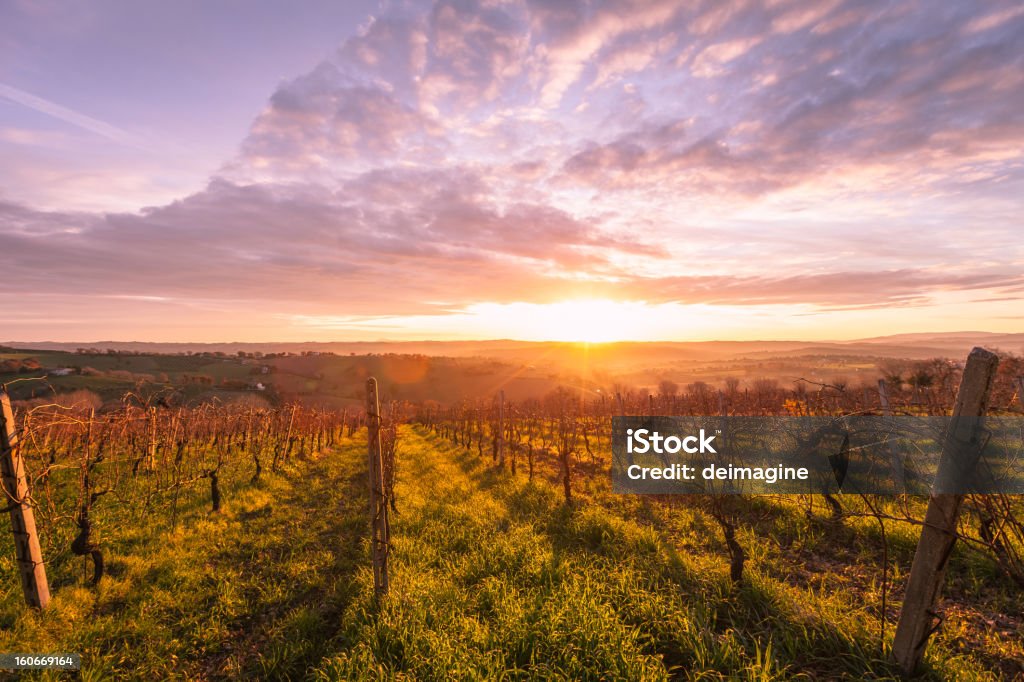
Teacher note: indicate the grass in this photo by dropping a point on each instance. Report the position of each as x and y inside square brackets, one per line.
[491, 578]
[254, 591]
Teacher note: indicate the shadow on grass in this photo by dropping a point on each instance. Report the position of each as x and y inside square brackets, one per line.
[295, 561]
[726, 627]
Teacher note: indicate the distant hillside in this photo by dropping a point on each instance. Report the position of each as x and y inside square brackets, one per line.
[452, 371]
[910, 346]
[952, 343]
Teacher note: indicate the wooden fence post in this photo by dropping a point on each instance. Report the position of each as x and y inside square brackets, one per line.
[938, 535]
[501, 430]
[380, 525]
[151, 456]
[291, 423]
[23, 522]
[1020, 391]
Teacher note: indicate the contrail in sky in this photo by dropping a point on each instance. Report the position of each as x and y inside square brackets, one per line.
[73, 117]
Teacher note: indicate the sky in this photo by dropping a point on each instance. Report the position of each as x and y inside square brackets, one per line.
[535, 169]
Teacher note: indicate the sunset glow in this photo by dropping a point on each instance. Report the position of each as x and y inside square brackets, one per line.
[593, 321]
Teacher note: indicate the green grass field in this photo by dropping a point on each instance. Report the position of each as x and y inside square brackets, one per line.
[492, 578]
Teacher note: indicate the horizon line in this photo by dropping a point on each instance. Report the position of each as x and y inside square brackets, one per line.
[17, 344]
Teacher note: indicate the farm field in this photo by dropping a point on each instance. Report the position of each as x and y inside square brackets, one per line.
[494, 576]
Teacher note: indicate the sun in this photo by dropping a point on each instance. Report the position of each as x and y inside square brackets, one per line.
[590, 321]
[582, 321]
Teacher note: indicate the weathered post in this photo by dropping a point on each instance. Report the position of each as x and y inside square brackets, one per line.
[288, 438]
[1020, 391]
[938, 535]
[501, 430]
[23, 522]
[151, 455]
[380, 528]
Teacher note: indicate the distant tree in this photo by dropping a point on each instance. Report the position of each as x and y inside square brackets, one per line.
[699, 389]
[892, 374]
[668, 388]
[765, 387]
[922, 375]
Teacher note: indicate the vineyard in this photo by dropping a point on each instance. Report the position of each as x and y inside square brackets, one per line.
[220, 541]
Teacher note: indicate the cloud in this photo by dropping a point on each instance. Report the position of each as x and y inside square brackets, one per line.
[850, 289]
[712, 60]
[326, 118]
[388, 93]
[387, 238]
[473, 51]
[997, 19]
[787, 103]
[573, 37]
[343, 250]
[770, 96]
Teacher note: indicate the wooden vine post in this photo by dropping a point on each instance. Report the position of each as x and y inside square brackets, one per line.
[938, 535]
[23, 522]
[501, 430]
[151, 456]
[380, 524]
